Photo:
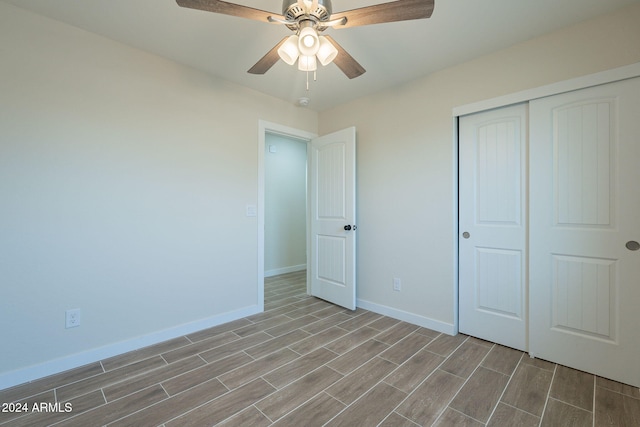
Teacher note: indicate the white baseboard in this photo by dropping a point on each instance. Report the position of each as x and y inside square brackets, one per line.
[283, 270]
[20, 376]
[436, 325]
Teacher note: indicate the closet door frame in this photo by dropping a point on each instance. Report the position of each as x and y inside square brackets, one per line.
[604, 77]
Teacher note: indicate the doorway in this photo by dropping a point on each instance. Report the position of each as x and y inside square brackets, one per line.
[268, 131]
[331, 213]
[285, 231]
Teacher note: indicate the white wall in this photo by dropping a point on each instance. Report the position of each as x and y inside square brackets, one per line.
[405, 161]
[285, 239]
[124, 180]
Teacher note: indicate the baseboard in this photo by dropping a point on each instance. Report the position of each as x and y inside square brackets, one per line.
[436, 325]
[20, 376]
[283, 270]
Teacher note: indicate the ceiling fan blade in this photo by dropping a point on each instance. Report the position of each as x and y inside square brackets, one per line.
[399, 10]
[345, 62]
[267, 61]
[227, 8]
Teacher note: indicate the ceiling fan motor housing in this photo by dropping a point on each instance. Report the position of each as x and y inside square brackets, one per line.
[291, 10]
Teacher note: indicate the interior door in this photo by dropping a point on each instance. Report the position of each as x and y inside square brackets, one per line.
[585, 225]
[333, 213]
[493, 223]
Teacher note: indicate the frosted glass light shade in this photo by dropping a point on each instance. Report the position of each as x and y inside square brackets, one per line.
[307, 63]
[308, 42]
[288, 52]
[326, 52]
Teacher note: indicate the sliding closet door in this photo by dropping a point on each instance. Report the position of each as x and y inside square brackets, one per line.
[585, 228]
[492, 224]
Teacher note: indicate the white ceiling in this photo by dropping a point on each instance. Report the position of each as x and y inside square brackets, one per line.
[392, 53]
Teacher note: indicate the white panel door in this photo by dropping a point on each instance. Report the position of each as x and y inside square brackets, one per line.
[492, 223]
[584, 220]
[333, 212]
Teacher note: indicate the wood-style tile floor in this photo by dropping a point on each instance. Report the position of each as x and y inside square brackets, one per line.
[305, 362]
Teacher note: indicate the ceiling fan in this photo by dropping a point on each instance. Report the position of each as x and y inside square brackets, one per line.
[307, 18]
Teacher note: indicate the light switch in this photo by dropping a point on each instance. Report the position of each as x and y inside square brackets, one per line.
[273, 148]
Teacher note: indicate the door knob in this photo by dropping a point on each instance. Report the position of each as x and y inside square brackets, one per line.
[632, 245]
[347, 227]
[466, 235]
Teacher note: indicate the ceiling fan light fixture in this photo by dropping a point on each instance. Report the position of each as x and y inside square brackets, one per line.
[327, 52]
[288, 52]
[307, 63]
[308, 41]
[306, 18]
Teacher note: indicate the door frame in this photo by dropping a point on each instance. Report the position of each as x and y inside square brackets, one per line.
[303, 136]
[603, 77]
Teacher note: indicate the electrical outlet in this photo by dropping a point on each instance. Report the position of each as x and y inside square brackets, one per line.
[397, 284]
[72, 318]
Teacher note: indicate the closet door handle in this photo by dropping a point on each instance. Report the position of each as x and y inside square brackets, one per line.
[632, 245]
[466, 235]
[347, 227]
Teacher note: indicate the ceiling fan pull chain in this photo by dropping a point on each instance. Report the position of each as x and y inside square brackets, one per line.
[314, 76]
[307, 81]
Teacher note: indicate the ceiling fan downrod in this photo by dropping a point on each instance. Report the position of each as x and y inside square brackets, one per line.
[317, 10]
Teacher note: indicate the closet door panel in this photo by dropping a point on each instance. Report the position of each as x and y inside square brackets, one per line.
[585, 207]
[492, 242]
